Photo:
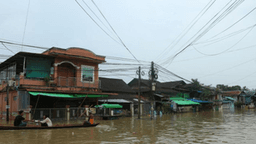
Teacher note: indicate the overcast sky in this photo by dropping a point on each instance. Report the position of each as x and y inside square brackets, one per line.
[147, 27]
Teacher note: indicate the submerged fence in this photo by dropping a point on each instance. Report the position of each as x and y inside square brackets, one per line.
[58, 114]
[53, 113]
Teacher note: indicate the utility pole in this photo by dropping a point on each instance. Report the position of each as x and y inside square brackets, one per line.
[153, 76]
[7, 102]
[7, 95]
[139, 94]
[139, 72]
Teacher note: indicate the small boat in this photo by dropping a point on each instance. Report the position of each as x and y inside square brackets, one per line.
[39, 127]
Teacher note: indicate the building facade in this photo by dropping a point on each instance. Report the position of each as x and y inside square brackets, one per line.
[56, 78]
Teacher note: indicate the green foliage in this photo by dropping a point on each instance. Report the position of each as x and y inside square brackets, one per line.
[195, 85]
[206, 92]
[228, 88]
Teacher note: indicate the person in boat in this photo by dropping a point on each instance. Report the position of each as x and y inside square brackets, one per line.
[46, 122]
[19, 120]
[90, 118]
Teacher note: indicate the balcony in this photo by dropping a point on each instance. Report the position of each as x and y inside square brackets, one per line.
[61, 83]
[76, 82]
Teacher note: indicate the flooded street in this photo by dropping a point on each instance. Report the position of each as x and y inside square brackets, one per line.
[202, 127]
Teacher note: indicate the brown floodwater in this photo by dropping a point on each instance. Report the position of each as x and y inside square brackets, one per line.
[202, 127]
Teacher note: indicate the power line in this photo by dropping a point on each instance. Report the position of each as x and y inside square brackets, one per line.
[25, 24]
[243, 78]
[171, 73]
[96, 15]
[252, 46]
[193, 22]
[124, 59]
[7, 47]
[18, 44]
[229, 68]
[235, 23]
[226, 36]
[210, 24]
[114, 31]
[226, 49]
[95, 21]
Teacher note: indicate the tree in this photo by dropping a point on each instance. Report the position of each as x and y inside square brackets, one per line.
[245, 88]
[228, 88]
[195, 85]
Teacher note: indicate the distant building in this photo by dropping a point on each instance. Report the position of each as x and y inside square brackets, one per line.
[125, 95]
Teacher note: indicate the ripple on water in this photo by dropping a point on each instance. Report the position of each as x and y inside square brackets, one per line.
[206, 127]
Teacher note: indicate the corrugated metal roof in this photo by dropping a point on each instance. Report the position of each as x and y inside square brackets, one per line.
[115, 100]
[199, 101]
[138, 100]
[186, 102]
[159, 95]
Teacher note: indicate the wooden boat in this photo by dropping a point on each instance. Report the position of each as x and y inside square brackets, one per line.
[39, 127]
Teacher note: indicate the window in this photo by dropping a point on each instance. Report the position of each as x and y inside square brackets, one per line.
[12, 71]
[87, 73]
[3, 75]
[52, 70]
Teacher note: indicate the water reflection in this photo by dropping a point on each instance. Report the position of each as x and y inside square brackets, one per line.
[201, 127]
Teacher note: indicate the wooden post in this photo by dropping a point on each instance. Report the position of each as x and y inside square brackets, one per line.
[68, 112]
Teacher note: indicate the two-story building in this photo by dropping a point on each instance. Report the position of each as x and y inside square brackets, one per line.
[57, 78]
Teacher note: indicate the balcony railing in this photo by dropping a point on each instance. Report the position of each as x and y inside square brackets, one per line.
[76, 82]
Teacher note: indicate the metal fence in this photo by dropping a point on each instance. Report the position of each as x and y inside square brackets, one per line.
[53, 113]
[76, 112]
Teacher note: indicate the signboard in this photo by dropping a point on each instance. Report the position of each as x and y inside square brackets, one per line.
[7, 106]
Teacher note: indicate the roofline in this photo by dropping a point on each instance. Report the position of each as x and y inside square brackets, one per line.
[23, 54]
[74, 48]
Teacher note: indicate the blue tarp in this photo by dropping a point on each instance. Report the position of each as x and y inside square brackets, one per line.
[199, 101]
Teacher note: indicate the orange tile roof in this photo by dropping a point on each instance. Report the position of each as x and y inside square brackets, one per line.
[229, 93]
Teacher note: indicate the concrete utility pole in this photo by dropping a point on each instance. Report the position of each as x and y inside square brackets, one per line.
[7, 96]
[139, 72]
[153, 77]
[139, 94]
[7, 102]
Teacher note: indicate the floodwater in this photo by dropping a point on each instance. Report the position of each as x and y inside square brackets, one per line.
[202, 127]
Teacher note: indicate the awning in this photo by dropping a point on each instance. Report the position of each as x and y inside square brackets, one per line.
[159, 95]
[109, 106]
[66, 95]
[230, 98]
[115, 100]
[200, 101]
[138, 100]
[176, 98]
[186, 102]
